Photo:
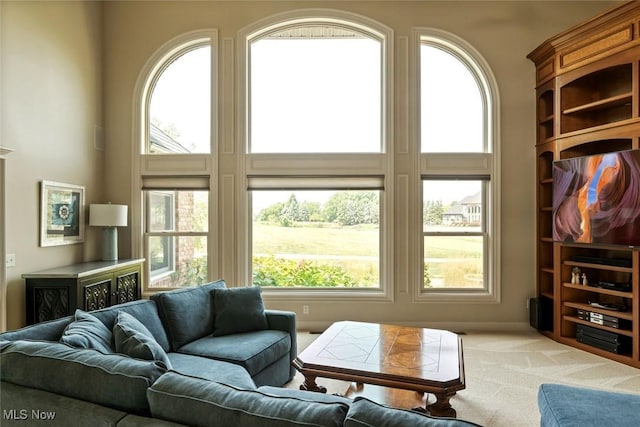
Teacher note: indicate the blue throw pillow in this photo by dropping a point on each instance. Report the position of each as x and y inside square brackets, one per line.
[132, 338]
[238, 310]
[86, 331]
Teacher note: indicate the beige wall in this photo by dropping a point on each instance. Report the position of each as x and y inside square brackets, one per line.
[51, 100]
[52, 97]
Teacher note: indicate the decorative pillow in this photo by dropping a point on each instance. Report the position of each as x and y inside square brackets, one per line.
[238, 310]
[132, 338]
[86, 331]
[187, 314]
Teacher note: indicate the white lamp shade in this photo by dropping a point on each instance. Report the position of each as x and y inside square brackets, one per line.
[108, 215]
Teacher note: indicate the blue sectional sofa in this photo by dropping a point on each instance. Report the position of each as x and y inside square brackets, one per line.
[199, 356]
[568, 406]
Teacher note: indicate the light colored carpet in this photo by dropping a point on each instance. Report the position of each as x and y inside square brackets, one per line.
[504, 370]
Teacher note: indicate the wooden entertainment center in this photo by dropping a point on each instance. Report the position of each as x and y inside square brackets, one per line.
[588, 102]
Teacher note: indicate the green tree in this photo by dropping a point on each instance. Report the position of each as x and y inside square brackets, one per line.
[271, 214]
[353, 207]
[433, 212]
[290, 212]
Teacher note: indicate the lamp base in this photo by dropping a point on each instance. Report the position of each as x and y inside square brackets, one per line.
[109, 244]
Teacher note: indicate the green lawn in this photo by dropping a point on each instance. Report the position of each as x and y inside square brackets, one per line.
[452, 260]
[348, 241]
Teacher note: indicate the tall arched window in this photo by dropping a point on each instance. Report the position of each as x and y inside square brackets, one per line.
[177, 130]
[316, 164]
[458, 106]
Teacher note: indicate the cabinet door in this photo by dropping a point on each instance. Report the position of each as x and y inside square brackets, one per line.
[127, 285]
[96, 292]
[49, 299]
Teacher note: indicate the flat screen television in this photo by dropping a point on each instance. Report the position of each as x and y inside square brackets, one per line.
[596, 199]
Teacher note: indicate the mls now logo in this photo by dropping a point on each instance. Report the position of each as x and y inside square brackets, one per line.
[24, 414]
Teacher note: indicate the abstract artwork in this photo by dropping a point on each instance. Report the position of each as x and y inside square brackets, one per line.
[61, 214]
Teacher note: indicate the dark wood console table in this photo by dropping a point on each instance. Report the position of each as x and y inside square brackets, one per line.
[58, 292]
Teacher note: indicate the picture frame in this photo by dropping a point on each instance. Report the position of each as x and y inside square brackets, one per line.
[62, 209]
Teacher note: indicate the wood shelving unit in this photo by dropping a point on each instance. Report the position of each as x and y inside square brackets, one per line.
[588, 102]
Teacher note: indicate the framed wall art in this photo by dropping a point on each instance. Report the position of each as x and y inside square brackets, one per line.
[61, 214]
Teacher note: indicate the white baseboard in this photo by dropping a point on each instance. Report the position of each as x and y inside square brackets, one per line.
[319, 326]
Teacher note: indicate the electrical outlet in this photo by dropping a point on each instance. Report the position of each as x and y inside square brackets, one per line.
[305, 309]
[10, 261]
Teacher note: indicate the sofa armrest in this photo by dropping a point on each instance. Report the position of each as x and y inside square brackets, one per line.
[285, 321]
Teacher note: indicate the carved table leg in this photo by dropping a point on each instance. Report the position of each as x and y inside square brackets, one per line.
[309, 384]
[442, 407]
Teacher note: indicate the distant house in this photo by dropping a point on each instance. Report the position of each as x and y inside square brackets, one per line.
[466, 212]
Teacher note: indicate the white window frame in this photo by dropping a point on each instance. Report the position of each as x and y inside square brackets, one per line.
[171, 262]
[186, 171]
[448, 165]
[262, 166]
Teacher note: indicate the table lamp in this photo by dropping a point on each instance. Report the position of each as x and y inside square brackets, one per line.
[109, 217]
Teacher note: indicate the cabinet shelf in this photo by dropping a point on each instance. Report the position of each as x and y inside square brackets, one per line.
[624, 332]
[587, 288]
[546, 120]
[600, 266]
[547, 295]
[624, 99]
[622, 358]
[619, 314]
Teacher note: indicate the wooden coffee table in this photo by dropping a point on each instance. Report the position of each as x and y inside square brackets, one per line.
[395, 357]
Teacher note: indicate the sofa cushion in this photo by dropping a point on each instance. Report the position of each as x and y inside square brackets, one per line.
[254, 351]
[187, 314]
[365, 413]
[198, 402]
[238, 310]
[112, 380]
[562, 405]
[304, 395]
[133, 339]
[212, 370]
[86, 331]
[52, 409]
[146, 311]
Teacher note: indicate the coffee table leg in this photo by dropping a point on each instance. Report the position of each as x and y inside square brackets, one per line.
[442, 407]
[310, 384]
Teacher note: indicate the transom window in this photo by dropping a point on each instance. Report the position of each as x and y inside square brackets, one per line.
[315, 89]
[180, 106]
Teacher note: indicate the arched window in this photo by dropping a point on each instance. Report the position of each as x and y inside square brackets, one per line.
[179, 109]
[177, 130]
[317, 92]
[459, 168]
